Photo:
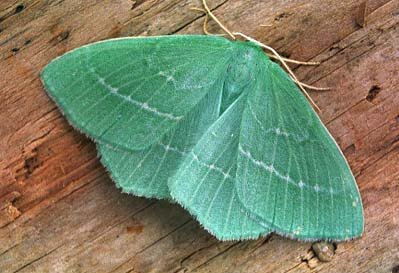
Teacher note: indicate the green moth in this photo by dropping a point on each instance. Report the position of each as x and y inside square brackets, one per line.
[214, 125]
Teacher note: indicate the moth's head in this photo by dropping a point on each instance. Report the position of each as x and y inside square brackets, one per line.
[242, 71]
[245, 64]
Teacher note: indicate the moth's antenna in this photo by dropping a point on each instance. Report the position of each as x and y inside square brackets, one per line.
[291, 60]
[314, 87]
[275, 54]
[208, 11]
[205, 24]
[294, 78]
[287, 60]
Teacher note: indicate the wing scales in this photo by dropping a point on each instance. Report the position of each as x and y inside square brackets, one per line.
[242, 149]
[205, 182]
[291, 174]
[129, 92]
[146, 172]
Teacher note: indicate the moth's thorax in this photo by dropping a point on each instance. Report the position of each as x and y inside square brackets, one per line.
[242, 70]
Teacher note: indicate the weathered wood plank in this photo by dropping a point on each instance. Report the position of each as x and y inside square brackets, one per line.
[61, 213]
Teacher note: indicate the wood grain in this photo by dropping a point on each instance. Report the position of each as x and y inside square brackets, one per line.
[60, 212]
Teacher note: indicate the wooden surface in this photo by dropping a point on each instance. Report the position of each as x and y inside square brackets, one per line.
[60, 212]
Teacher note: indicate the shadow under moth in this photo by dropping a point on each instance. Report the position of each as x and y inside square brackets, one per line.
[214, 125]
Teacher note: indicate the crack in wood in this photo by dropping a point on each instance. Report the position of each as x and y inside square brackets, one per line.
[36, 260]
[108, 229]
[196, 19]
[217, 255]
[151, 245]
[347, 47]
[371, 164]
[264, 241]
[182, 267]
[163, 237]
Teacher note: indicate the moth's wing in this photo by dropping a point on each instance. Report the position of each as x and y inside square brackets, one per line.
[204, 184]
[146, 172]
[129, 92]
[291, 174]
